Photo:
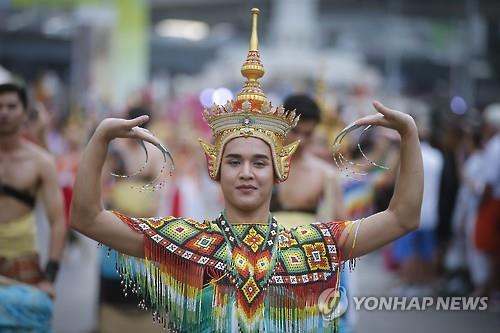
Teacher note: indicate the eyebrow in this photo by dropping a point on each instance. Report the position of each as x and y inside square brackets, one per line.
[256, 156]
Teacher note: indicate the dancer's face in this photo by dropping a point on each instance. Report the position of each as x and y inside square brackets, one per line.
[247, 173]
[12, 113]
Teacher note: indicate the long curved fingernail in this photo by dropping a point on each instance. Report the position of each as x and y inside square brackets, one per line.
[166, 153]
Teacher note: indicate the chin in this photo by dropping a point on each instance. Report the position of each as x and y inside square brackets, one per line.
[247, 205]
[8, 131]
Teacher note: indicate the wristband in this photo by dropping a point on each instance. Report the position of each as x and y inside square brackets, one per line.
[51, 270]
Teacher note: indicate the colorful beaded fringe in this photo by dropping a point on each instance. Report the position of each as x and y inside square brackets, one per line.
[185, 281]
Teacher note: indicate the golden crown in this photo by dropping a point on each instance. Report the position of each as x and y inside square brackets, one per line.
[251, 114]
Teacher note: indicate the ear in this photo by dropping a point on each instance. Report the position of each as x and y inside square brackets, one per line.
[285, 157]
[211, 156]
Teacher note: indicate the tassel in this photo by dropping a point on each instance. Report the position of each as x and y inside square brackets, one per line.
[170, 285]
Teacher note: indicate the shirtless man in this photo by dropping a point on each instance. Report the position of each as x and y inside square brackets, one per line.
[312, 190]
[26, 173]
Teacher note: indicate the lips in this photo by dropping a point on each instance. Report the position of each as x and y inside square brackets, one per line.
[246, 187]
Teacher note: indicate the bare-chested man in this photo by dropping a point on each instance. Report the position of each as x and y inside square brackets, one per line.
[27, 173]
[312, 190]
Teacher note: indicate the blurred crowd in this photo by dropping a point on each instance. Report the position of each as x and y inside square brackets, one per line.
[454, 251]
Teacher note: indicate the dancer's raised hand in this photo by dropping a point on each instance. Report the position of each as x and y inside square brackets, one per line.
[111, 128]
[389, 118]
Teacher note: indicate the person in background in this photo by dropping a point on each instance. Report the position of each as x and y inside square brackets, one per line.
[465, 214]
[312, 191]
[452, 151]
[488, 219]
[27, 174]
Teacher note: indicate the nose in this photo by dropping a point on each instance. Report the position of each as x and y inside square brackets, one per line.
[246, 170]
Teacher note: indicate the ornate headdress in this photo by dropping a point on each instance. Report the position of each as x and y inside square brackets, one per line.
[251, 115]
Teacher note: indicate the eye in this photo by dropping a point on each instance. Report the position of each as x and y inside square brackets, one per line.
[11, 106]
[233, 162]
[260, 164]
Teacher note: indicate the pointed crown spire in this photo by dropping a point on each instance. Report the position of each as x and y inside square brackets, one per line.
[252, 69]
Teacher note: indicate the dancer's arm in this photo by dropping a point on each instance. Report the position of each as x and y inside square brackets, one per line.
[403, 213]
[87, 213]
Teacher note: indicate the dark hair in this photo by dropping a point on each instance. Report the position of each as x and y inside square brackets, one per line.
[138, 111]
[304, 105]
[14, 88]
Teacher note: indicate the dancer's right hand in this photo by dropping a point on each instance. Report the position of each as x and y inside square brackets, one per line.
[111, 128]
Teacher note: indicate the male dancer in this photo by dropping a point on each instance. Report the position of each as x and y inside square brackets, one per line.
[312, 191]
[243, 271]
[26, 171]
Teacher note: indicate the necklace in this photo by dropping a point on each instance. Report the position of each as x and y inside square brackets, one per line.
[251, 260]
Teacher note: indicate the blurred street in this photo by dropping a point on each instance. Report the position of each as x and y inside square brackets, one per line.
[375, 280]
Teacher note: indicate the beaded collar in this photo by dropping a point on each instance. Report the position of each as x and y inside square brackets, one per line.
[251, 261]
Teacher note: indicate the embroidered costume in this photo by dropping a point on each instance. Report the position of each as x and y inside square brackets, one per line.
[212, 276]
[218, 276]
